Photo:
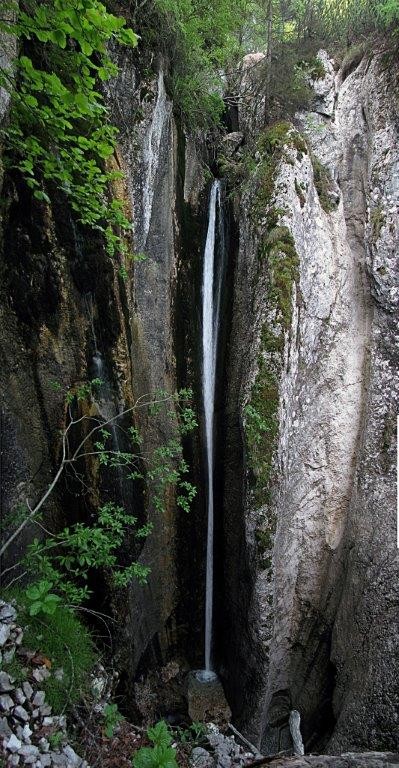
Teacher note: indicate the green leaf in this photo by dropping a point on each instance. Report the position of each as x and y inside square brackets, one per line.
[144, 758]
[128, 37]
[33, 593]
[40, 195]
[42, 35]
[58, 37]
[34, 609]
[86, 47]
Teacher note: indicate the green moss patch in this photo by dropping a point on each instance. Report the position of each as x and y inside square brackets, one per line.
[68, 646]
[277, 249]
[377, 221]
[66, 642]
[324, 186]
[272, 145]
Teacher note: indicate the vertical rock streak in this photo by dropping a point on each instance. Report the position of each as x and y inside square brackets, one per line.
[151, 152]
[211, 294]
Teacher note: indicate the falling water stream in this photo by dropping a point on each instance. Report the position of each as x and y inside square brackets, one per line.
[211, 296]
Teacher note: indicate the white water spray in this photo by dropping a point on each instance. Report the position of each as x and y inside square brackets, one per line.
[211, 294]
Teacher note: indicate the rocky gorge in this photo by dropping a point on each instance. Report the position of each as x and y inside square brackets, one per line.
[305, 559]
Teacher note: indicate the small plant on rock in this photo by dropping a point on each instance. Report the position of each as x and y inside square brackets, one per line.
[112, 718]
[55, 739]
[41, 599]
[162, 754]
[192, 735]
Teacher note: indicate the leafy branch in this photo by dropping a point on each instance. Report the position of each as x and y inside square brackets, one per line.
[63, 560]
[59, 128]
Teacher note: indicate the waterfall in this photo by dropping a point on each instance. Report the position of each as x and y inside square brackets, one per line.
[211, 295]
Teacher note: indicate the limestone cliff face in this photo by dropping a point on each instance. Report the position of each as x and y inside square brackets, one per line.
[318, 556]
[164, 179]
[67, 316]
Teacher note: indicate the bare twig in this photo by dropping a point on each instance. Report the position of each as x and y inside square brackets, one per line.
[245, 741]
[141, 402]
[270, 758]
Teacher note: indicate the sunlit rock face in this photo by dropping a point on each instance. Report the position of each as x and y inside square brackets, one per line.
[324, 593]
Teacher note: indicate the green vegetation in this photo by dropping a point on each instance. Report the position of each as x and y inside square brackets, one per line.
[324, 186]
[198, 40]
[15, 669]
[112, 718]
[64, 561]
[272, 146]
[66, 647]
[314, 68]
[277, 249]
[261, 428]
[377, 221]
[299, 189]
[55, 739]
[59, 130]
[161, 754]
[193, 735]
[60, 133]
[283, 264]
[61, 564]
[41, 600]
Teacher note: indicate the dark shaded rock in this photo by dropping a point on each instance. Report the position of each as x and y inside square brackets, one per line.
[5, 683]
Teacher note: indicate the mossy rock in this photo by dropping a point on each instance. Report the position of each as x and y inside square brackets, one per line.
[272, 144]
[324, 186]
[377, 221]
[277, 247]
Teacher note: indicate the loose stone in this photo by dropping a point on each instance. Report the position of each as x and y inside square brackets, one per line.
[6, 702]
[71, 755]
[8, 655]
[41, 674]
[21, 713]
[5, 730]
[45, 760]
[26, 732]
[38, 699]
[28, 750]
[5, 683]
[7, 613]
[13, 743]
[27, 689]
[19, 696]
[48, 721]
[59, 760]
[5, 631]
[44, 744]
